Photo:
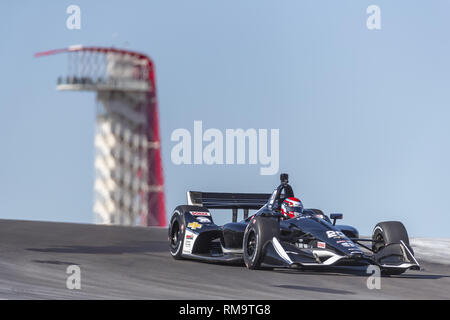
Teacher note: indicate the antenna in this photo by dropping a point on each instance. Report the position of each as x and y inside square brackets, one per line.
[284, 178]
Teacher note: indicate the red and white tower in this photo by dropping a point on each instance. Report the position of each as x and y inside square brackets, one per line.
[129, 186]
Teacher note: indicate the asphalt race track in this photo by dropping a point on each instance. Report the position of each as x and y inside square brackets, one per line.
[134, 263]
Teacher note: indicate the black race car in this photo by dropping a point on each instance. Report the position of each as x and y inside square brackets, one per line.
[267, 239]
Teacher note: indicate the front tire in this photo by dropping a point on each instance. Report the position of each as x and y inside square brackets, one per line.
[389, 232]
[386, 233]
[259, 231]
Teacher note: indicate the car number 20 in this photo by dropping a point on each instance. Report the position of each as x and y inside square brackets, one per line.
[335, 234]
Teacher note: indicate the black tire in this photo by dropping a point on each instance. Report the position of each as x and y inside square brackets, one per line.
[177, 229]
[386, 233]
[176, 234]
[389, 232]
[258, 232]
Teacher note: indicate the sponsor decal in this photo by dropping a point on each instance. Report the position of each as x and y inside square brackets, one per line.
[200, 213]
[347, 244]
[189, 240]
[203, 220]
[302, 245]
[194, 225]
[321, 245]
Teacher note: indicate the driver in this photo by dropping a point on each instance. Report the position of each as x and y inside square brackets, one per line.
[291, 208]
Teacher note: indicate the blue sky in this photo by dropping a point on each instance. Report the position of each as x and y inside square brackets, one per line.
[363, 115]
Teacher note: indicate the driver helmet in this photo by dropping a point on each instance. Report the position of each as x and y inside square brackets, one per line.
[291, 207]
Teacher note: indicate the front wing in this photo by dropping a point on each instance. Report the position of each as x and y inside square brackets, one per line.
[283, 254]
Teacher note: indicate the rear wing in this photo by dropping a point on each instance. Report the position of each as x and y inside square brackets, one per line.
[234, 201]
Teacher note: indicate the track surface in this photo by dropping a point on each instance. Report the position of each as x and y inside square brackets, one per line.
[134, 263]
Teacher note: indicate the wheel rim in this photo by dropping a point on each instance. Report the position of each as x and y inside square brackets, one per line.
[251, 244]
[379, 242]
[175, 235]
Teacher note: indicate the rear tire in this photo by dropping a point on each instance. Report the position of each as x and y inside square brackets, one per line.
[176, 235]
[177, 229]
[259, 231]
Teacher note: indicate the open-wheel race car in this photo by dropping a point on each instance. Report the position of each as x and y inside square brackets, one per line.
[281, 233]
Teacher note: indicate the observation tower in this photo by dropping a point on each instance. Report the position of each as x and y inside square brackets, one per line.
[129, 183]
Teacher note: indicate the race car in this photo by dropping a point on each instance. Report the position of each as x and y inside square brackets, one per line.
[273, 238]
